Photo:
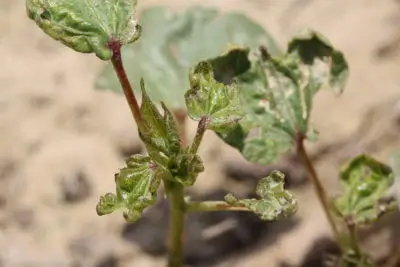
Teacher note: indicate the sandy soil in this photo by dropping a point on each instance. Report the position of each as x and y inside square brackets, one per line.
[56, 131]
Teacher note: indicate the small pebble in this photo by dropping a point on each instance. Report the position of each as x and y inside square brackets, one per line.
[24, 217]
[109, 261]
[75, 187]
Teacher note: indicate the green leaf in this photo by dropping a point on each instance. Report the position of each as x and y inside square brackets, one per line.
[158, 132]
[161, 138]
[267, 146]
[275, 202]
[276, 93]
[214, 100]
[365, 182]
[136, 188]
[172, 43]
[87, 26]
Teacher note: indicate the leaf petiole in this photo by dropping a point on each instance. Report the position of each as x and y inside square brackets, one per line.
[116, 60]
[203, 206]
[352, 228]
[201, 129]
[316, 182]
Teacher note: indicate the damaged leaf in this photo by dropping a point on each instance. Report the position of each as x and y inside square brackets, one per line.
[87, 26]
[274, 201]
[136, 188]
[276, 93]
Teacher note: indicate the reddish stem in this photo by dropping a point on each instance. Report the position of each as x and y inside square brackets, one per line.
[319, 189]
[116, 60]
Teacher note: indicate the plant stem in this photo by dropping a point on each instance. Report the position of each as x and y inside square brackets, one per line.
[353, 239]
[116, 60]
[319, 189]
[213, 206]
[201, 129]
[177, 220]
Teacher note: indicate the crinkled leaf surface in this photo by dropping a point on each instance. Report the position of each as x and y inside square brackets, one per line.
[214, 100]
[171, 43]
[161, 137]
[275, 202]
[87, 26]
[185, 167]
[364, 181]
[276, 92]
[136, 188]
[158, 132]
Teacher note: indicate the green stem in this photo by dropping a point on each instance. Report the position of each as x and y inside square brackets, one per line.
[116, 60]
[213, 206]
[201, 129]
[177, 220]
[319, 189]
[353, 239]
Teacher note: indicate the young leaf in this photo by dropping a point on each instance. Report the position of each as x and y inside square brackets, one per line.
[276, 92]
[174, 42]
[365, 182]
[214, 100]
[159, 133]
[185, 168]
[87, 26]
[275, 202]
[136, 188]
[161, 137]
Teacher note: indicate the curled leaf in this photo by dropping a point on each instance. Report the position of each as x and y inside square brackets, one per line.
[108, 204]
[136, 188]
[161, 137]
[275, 202]
[158, 132]
[87, 26]
[276, 93]
[311, 46]
[214, 100]
[365, 182]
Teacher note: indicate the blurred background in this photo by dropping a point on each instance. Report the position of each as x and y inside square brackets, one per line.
[61, 142]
